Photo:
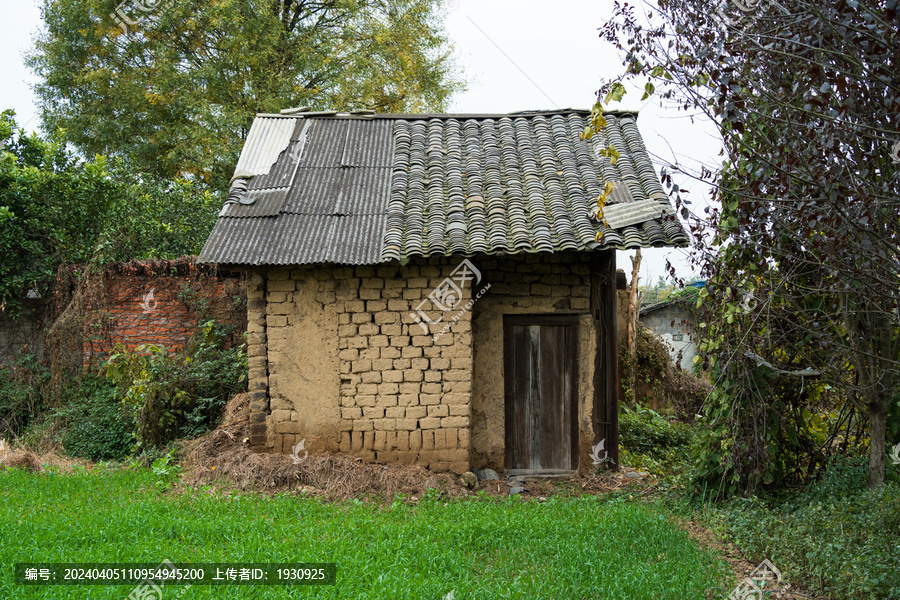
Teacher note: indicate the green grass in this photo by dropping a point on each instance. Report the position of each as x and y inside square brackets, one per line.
[579, 548]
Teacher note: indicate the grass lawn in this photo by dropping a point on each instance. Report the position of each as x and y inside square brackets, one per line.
[584, 548]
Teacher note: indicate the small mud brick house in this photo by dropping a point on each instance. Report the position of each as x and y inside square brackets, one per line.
[432, 289]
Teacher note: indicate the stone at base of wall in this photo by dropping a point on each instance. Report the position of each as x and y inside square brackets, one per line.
[454, 460]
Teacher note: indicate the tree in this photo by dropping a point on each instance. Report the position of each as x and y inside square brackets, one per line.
[174, 89]
[56, 208]
[805, 96]
[632, 313]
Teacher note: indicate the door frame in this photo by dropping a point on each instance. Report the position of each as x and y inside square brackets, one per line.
[509, 373]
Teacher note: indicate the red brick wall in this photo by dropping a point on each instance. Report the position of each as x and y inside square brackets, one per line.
[128, 315]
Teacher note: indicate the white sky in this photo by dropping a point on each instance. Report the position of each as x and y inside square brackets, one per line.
[517, 55]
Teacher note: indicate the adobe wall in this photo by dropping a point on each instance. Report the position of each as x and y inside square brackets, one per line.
[337, 360]
[530, 284]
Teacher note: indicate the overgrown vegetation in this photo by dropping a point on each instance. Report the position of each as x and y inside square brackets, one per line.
[56, 208]
[805, 218]
[149, 397]
[92, 422]
[660, 383]
[836, 536]
[652, 443]
[22, 394]
[177, 394]
[768, 428]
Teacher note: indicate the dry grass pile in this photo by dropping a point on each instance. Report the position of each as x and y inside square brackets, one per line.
[18, 459]
[21, 458]
[223, 457]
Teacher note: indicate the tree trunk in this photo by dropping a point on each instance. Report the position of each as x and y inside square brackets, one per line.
[631, 325]
[877, 418]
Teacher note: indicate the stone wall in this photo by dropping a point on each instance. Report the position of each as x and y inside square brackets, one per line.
[338, 361]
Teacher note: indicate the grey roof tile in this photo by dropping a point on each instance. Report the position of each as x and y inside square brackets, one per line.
[369, 189]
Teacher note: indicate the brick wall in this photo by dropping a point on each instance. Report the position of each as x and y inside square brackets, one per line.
[347, 368]
[128, 315]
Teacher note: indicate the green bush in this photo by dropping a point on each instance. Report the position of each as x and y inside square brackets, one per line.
[651, 443]
[23, 394]
[643, 431]
[180, 394]
[57, 208]
[94, 424]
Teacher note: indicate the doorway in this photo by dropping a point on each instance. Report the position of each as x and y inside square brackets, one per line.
[540, 359]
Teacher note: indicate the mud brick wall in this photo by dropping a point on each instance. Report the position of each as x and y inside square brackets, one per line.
[533, 284]
[337, 360]
[127, 315]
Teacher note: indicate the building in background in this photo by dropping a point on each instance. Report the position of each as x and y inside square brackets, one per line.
[674, 322]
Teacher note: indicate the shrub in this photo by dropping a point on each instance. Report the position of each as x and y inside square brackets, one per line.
[651, 443]
[180, 394]
[95, 426]
[23, 394]
[643, 431]
[659, 382]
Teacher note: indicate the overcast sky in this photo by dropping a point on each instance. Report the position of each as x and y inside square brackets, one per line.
[517, 55]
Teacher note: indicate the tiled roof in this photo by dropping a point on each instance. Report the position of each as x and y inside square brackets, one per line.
[365, 189]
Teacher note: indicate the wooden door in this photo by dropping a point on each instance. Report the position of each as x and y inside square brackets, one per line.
[541, 376]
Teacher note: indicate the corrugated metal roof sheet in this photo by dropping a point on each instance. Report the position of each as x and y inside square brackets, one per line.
[363, 190]
[266, 139]
[323, 200]
[632, 213]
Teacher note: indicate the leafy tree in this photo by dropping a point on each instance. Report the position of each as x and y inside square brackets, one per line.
[805, 96]
[655, 294]
[56, 208]
[176, 91]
